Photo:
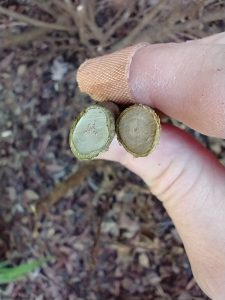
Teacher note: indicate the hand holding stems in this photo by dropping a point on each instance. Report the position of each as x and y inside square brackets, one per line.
[187, 82]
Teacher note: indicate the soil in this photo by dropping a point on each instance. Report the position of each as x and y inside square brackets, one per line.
[109, 237]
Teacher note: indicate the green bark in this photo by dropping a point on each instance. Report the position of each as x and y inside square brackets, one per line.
[93, 131]
[138, 130]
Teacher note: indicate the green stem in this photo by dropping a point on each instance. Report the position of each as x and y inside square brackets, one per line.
[138, 130]
[93, 131]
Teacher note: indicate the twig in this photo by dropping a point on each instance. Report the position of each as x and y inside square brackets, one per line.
[65, 8]
[33, 22]
[44, 7]
[138, 29]
[70, 9]
[107, 187]
[78, 18]
[112, 21]
[61, 189]
[90, 21]
[217, 16]
[14, 40]
[116, 26]
[13, 24]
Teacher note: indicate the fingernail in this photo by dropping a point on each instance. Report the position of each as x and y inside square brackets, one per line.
[105, 78]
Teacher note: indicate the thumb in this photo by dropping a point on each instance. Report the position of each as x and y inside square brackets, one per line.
[191, 184]
[186, 82]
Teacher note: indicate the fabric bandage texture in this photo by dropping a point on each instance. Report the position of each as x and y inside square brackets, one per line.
[106, 78]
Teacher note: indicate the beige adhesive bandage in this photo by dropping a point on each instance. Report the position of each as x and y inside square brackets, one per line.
[105, 78]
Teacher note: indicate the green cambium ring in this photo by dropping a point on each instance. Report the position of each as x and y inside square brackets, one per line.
[137, 129]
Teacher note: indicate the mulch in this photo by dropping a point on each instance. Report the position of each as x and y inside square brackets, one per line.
[108, 236]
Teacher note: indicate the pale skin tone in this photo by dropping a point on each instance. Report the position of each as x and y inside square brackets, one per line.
[187, 82]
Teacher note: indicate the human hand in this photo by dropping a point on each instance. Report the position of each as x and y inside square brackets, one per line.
[187, 82]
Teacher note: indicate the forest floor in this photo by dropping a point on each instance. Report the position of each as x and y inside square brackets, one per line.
[109, 237]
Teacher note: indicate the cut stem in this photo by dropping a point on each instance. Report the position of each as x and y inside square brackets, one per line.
[93, 131]
[138, 130]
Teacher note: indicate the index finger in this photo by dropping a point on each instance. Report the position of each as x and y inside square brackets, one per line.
[185, 81]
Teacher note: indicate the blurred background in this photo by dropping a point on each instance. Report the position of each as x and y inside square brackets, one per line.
[109, 237]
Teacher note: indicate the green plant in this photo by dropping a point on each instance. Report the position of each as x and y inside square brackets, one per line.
[10, 274]
[92, 27]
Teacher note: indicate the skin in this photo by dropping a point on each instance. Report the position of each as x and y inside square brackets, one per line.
[186, 81]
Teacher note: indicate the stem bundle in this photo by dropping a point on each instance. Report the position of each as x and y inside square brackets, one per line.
[93, 131]
[137, 128]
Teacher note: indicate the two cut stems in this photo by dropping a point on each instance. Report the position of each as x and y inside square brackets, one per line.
[137, 129]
